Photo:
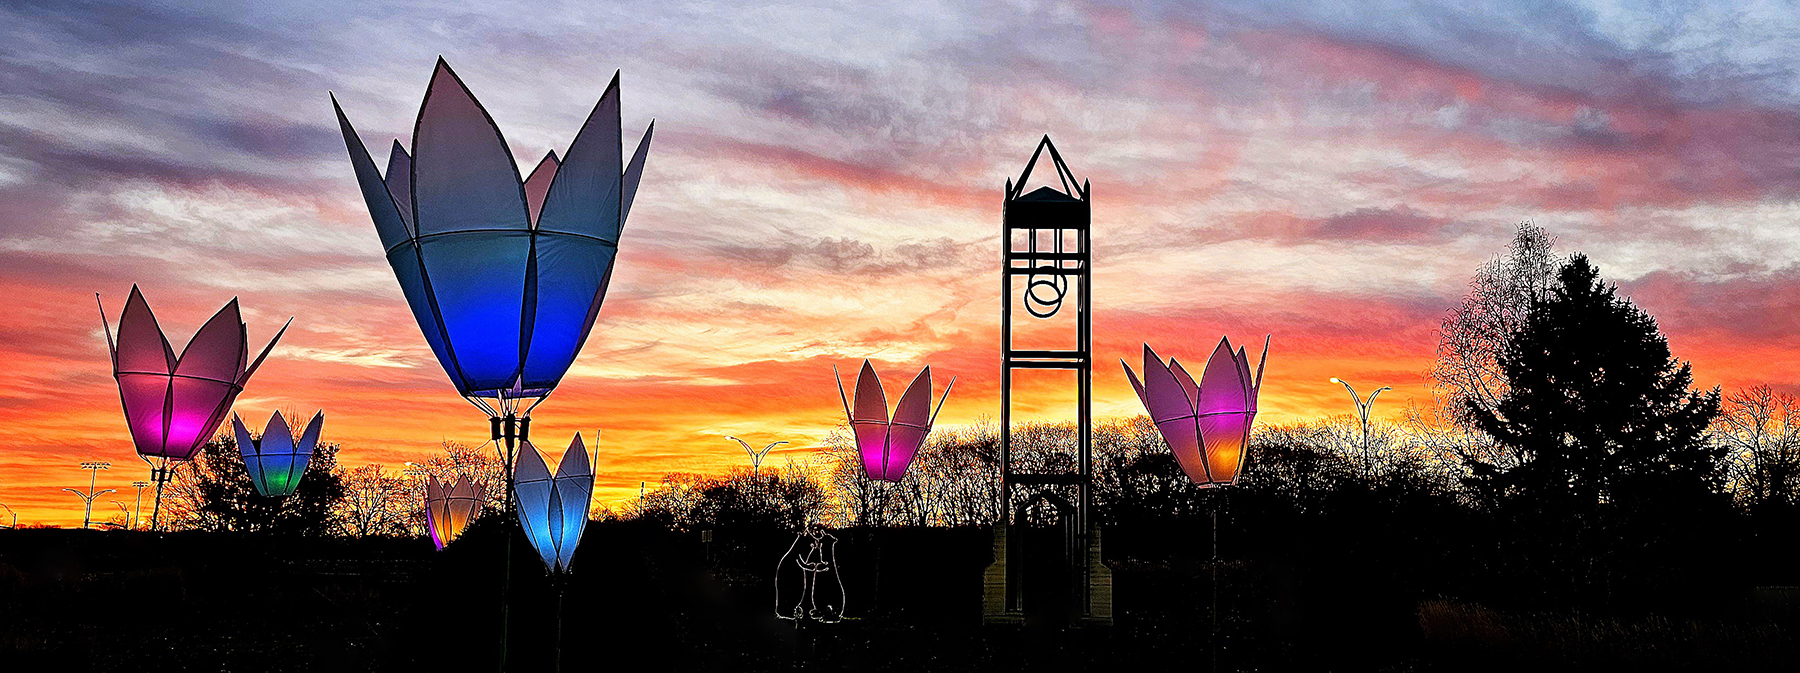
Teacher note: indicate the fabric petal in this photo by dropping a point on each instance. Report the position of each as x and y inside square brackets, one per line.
[196, 408]
[634, 172]
[389, 224]
[1188, 386]
[571, 271]
[216, 353]
[464, 177]
[1224, 409]
[575, 490]
[1135, 384]
[538, 184]
[399, 186]
[142, 346]
[478, 285]
[247, 449]
[245, 378]
[409, 270]
[1223, 386]
[912, 422]
[434, 512]
[1165, 398]
[584, 197]
[532, 485]
[869, 420]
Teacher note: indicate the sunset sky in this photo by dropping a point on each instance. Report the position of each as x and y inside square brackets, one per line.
[825, 187]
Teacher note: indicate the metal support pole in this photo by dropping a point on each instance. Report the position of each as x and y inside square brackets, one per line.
[160, 475]
[1363, 406]
[507, 431]
[1215, 588]
[559, 623]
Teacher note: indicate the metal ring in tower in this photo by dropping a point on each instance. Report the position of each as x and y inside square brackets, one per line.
[1055, 284]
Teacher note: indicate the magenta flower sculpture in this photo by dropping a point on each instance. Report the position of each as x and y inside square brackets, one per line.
[449, 509]
[174, 403]
[275, 461]
[1206, 424]
[504, 274]
[553, 510]
[887, 446]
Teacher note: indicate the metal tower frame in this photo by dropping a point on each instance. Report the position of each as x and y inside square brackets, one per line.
[1049, 272]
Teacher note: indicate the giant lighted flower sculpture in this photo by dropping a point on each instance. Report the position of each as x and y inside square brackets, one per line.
[887, 446]
[275, 461]
[174, 403]
[1206, 424]
[553, 510]
[450, 508]
[504, 275]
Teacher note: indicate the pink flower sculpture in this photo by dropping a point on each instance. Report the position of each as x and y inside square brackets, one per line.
[1206, 424]
[173, 404]
[888, 446]
[449, 509]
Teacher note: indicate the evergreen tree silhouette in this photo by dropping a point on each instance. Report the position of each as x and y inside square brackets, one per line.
[1615, 469]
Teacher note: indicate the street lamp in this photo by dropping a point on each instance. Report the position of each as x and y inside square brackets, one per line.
[93, 467]
[756, 457]
[1362, 409]
[141, 485]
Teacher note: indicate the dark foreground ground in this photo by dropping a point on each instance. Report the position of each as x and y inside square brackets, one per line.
[642, 598]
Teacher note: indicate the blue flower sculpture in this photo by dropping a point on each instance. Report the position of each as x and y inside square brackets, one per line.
[553, 510]
[505, 275]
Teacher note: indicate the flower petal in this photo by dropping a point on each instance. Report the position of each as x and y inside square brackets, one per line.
[216, 353]
[142, 346]
[538, 184]
[464, 176]
[389, 224]
[532, 485]
[584, 197]
[1224, 413]
[574, 491]
[869, 420]
[912, 422]
[399, 185]
[633, 172]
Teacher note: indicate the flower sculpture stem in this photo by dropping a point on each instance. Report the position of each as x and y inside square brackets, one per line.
[160, 475]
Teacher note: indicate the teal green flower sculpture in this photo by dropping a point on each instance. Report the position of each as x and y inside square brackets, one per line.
[275, 461]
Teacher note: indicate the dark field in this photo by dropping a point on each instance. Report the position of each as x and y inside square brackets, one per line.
[645, 598]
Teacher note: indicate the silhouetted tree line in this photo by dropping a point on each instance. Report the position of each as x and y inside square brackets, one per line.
[1578, 467]
[1566, 460]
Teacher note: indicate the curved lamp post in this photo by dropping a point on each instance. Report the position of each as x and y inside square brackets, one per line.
[756, 457]
[15, 515]
[1362, 408]
[93, 467]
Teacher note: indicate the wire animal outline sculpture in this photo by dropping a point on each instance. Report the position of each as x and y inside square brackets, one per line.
[819, 558]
